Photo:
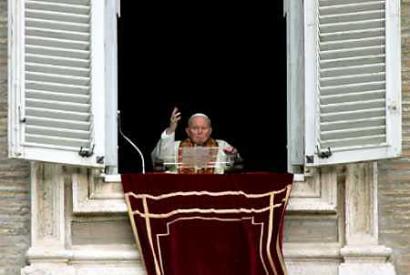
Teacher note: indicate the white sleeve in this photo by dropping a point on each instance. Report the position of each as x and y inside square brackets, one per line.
[165, 147]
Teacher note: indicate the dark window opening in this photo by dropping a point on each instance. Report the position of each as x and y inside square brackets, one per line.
[227, 60]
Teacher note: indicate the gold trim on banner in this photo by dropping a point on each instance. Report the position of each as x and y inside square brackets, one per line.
[149, 233]
[278, 250]
[134, 227]
[203, 211]
[205, 193]
[271, 216]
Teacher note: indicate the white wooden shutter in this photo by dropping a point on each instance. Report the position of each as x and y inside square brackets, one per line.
[57, 86]
[352, 80]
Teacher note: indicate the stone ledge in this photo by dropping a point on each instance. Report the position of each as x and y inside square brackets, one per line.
[94, 253]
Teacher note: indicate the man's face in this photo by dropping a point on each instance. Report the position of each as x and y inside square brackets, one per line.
[199, 130]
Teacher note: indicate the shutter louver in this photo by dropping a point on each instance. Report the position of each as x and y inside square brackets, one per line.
[351, 93]
[57, 74]
[352, 73]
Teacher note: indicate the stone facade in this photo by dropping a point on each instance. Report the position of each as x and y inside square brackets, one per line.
[332, 225]
[14, 180]
[394, 175]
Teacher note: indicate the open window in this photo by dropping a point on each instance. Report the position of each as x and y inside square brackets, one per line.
[225, 59]
[343, 96]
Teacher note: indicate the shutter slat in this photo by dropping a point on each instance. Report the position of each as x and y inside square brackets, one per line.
[52, 60]
[54, 69]
[58, 123]
[349, 97]
[352, 43]
[352, 70]
[353, 123]
[58, 52]
[345, 143]
[341, 8]
[352, 61]
[340, 116]
[75, 144]
[350, 17]
[58, 7]
[351, 52]
[57, 25]
[54, 87]
[57, 43]
[339, 2]
[76, 2]
[59, 16]
[32, 94]
[357, 87]
[57, 105]
[353, 25]
[353, 132]
[67, 35]
[57, 114]
[352, 106]
[57, 132]
[352, 79]
[59, 79]
[356, 34]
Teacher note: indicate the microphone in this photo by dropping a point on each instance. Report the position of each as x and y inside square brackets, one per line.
[130, 142]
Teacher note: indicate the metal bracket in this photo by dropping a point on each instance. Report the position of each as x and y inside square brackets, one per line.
[324, 154]
[86, 153]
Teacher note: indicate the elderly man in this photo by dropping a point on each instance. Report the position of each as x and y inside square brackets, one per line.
[199, 132]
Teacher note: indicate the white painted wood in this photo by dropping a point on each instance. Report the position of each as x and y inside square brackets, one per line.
[311, 76]
[393, 77]
[295, 83]
[352, 81]
[111, 124]
[57, 88]
[99, 91]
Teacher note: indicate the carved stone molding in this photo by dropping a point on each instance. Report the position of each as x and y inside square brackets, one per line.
[92, 195]
[317, 193]
[90, 260]
[312, 258]
[362, 254]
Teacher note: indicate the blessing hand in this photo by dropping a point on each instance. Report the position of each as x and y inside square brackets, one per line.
[173, 121]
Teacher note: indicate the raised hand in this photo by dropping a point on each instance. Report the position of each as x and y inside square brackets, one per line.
[173, 121]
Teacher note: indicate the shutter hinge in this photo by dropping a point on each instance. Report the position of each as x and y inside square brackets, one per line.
[86, 153]
[324, 154]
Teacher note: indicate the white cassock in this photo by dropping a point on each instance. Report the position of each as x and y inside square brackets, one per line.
[167, 148]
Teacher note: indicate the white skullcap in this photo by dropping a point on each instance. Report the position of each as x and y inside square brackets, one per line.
[199, 115]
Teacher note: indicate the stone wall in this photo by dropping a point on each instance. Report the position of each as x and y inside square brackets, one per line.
[394, 176]
[394, 182]
[14, 180]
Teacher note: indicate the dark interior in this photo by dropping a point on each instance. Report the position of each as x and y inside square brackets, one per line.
[225, 59]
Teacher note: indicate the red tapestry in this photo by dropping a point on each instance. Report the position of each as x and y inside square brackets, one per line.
[209, 224]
